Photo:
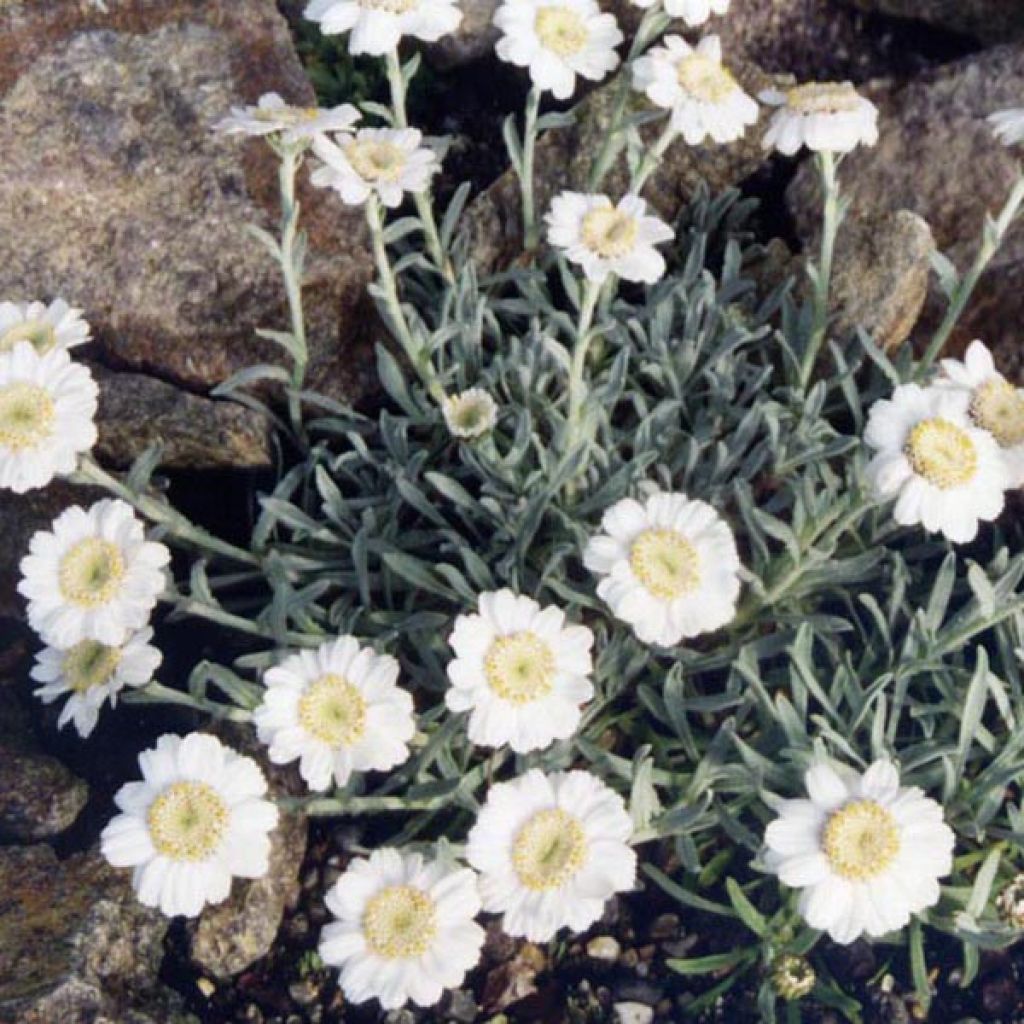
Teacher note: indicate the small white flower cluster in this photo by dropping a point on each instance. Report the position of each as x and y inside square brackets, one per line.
[948, 452]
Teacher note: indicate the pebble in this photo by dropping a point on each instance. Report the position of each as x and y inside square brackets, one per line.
[603, 947]
[665, 926]
[304, 992]
[462, 1007]
[633, 1013]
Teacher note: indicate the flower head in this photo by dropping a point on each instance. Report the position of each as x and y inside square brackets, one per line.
[693, 12]
[669, 567]
[995, 404]
[336, 710]
[196, 819]
[47, 407]
[823, 116]
[866, 852]
[1010, 903]
[90, 673]
[272, 116]
[704, 99]
[558, 40]
[385, 161]
[792, 977]
[551, 850]
[521, 671]
[1008, 125]
[92, 576]
[608, 239]
[45, 327]
[944, 471]
[403, 928]
[470, 414]
[377, 26]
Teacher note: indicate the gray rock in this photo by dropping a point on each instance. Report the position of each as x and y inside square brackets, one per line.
[633, 1013]
[75, 945]
[116, 194]
[937, 157]
[39, 797]
[989, 20]
[137, 411]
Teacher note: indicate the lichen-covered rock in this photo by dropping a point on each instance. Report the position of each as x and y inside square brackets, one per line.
[75, 945]
[116, 194]
[937, 157]
[39, 797]
[989, 20]
[564, 156]
[137, 411]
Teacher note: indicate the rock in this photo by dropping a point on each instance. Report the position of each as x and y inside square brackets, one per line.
[633, 1013]
[75, 945]
[232, 935]
[563, 161]
[137, 411]
[116, 194]
[603, 947]
[992, 21]
[39, 797]
[937, 157]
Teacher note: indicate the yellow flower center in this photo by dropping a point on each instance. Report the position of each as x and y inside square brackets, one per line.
[942, 453]
[609, 232]
[391, 6]
[666, 563]
[41, 334]
[704, 79]
[823, 98]
[188, 821]
[27, 416]
[998, 407]
[520, 667]
[374, 160]
[548, 850]
[561, 31]
[90, 664]
[400, 922]
[333, 710]
[860, 840]
[469, 415]
[90, 573]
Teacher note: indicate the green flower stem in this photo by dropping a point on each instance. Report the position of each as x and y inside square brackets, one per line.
[162, 513]
[416, 353]
[189, 605]
[653, 24]
[651, 159]
[423, 201]
[578, 389]
[992, 238]
[157, 693]
[526, 183]
[826, 164]
[291, 271]
[332, 807]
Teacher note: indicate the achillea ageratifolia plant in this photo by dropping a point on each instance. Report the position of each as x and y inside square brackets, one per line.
[635, 565]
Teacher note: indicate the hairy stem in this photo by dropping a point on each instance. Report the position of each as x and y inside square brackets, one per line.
[291, 271]
[530, 232]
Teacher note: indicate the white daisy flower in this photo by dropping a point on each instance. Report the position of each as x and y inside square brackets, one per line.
[1008, 125]
[91, 673]
[704, 98]
[196, 820]
[670, 567]
[606, 239]
[92, 576]
[272, 116]
[377, 26]
[995, 404]
[46, 327]
[521, 672]
[945, 472]
[558, 40]
[693, 12]
[823, 116]
[470, 414]
[551, 851]
[866, 852]
[387, 161]
[404, 928]
[336, 710]
[47, 408]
